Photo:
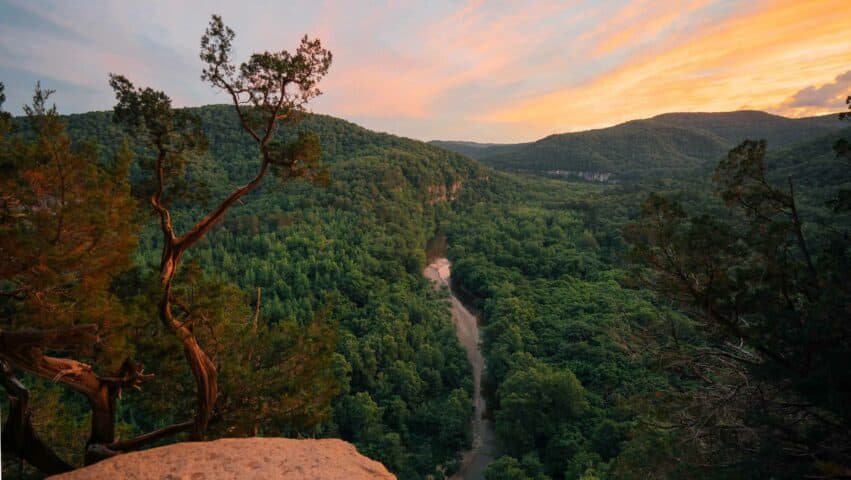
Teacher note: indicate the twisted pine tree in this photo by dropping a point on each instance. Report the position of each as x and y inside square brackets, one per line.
[66, 231]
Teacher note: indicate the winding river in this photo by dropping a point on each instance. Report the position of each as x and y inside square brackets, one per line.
[484, 448]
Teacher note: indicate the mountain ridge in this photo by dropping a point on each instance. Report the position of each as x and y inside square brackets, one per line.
[670, 143]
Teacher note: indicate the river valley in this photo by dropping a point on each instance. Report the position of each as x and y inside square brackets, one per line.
[466, 327]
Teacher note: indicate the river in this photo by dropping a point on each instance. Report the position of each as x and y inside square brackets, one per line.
[484, 447]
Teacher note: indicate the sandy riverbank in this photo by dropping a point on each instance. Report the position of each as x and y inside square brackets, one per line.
[467, 328]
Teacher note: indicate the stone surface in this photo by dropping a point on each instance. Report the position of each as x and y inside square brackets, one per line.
[239, 458]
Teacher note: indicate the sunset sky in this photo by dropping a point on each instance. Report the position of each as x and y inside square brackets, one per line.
[484, 71]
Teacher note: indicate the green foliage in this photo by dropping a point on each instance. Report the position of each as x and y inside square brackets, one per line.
[67, 227]
[534, 401]
[542, 277]
[506, 468]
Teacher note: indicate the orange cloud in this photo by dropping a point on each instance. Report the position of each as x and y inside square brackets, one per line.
[646, 28]
[757, 59]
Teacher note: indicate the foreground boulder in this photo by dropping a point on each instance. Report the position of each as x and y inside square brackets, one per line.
[239, 458]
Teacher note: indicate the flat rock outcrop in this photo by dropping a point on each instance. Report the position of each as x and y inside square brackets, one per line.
[239, 458]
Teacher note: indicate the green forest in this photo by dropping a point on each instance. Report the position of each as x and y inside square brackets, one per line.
[686, 318]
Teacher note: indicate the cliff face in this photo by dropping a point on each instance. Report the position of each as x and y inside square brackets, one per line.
[239, 458]
[443, 193]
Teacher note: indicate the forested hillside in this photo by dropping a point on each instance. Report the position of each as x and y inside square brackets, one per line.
[812, 163]
[663, 146]
[348, 254]
[354, 251]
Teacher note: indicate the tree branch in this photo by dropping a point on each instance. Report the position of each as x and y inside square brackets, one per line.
[211, 219]
[136, 442]
[799, 231]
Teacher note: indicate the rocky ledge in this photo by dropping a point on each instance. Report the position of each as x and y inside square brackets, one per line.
[239, 458]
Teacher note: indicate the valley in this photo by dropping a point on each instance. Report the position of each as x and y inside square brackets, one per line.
[484, 447]
[576, 349]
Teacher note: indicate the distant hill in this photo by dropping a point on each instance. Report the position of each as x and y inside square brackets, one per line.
[734, 127]
[672, 144]
[476, 150]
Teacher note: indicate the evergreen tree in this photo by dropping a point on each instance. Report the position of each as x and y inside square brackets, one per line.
[770, 292]
[66, 230]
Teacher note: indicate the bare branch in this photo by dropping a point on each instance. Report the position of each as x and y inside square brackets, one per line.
[136, 442]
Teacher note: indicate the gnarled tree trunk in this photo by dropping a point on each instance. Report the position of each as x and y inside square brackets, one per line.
[19, 437]
[25, 350]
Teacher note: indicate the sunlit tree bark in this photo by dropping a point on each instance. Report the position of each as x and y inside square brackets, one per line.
[267, 90]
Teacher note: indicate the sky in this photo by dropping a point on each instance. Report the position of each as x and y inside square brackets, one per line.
[495, 71]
